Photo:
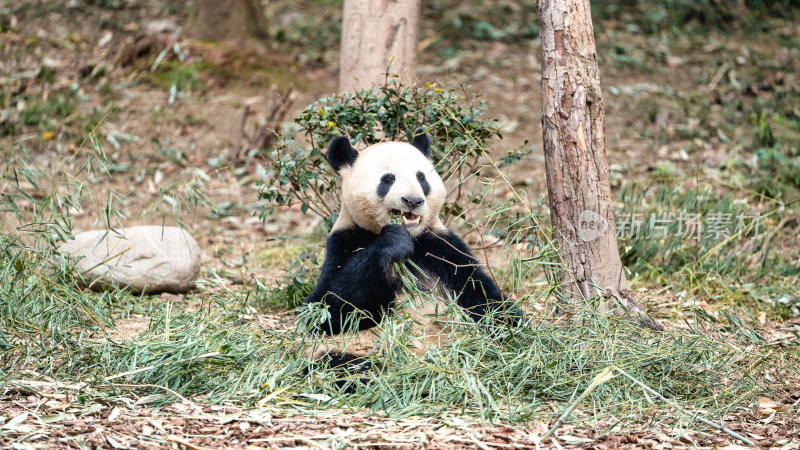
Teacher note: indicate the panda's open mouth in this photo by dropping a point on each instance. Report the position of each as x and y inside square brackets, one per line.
[404, 218]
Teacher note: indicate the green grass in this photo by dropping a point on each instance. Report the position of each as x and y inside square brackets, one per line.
[653, 16]
[214, 354]
[60, 112]
[176, 75]
[37, 114]
[758, 183]
[709, 245]
[302, 267]
[711, 364]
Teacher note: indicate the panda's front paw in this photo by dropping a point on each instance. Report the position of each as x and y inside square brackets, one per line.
[397, 243]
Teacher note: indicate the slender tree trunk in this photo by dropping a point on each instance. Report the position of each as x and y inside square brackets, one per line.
[227, 20]
[373, 33]
[573, 122]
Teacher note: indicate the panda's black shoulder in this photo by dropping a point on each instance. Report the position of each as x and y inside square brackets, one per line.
[445, 246]
[446, 238]
[349, 240]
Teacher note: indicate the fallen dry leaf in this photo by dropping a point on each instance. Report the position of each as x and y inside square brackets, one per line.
[767, 406]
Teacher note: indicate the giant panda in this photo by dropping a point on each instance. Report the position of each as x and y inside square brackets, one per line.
[358, 283]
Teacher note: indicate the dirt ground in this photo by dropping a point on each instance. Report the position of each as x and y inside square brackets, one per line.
[160, 139]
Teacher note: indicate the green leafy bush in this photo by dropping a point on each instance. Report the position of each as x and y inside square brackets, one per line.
[392, 111]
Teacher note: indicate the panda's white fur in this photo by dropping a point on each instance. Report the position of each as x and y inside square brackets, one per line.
[361, 204]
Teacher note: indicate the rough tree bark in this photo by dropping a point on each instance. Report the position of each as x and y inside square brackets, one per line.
[227, 20]
[573, 123]
[373, 32]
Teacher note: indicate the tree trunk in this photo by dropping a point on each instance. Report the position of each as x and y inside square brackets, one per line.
[573, 122]
[227, 20]
[373, 32]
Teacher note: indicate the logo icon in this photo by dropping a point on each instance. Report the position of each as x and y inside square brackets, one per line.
[591, 225]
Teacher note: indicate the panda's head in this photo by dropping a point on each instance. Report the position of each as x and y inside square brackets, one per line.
[386, 180]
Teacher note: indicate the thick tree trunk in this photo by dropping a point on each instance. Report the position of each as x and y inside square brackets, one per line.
[373, 32]
[573, 122]
[227, 20]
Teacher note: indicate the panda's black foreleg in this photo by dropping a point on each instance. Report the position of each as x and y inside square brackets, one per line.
[347, 368]
[357, 279]
[446, 256]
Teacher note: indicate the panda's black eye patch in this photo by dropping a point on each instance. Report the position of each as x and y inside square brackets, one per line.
[423, 182]
[386, 182]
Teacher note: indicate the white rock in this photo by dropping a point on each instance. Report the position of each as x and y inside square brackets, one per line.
[142, 259]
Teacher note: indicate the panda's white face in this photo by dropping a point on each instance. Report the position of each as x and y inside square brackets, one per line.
[391, 179]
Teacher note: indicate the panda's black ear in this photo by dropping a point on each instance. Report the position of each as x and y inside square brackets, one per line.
[423, 142]
[341, 153]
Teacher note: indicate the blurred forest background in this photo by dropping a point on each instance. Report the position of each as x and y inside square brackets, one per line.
[146, 118]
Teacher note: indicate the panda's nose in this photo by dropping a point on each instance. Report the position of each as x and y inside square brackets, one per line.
[413, 202]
